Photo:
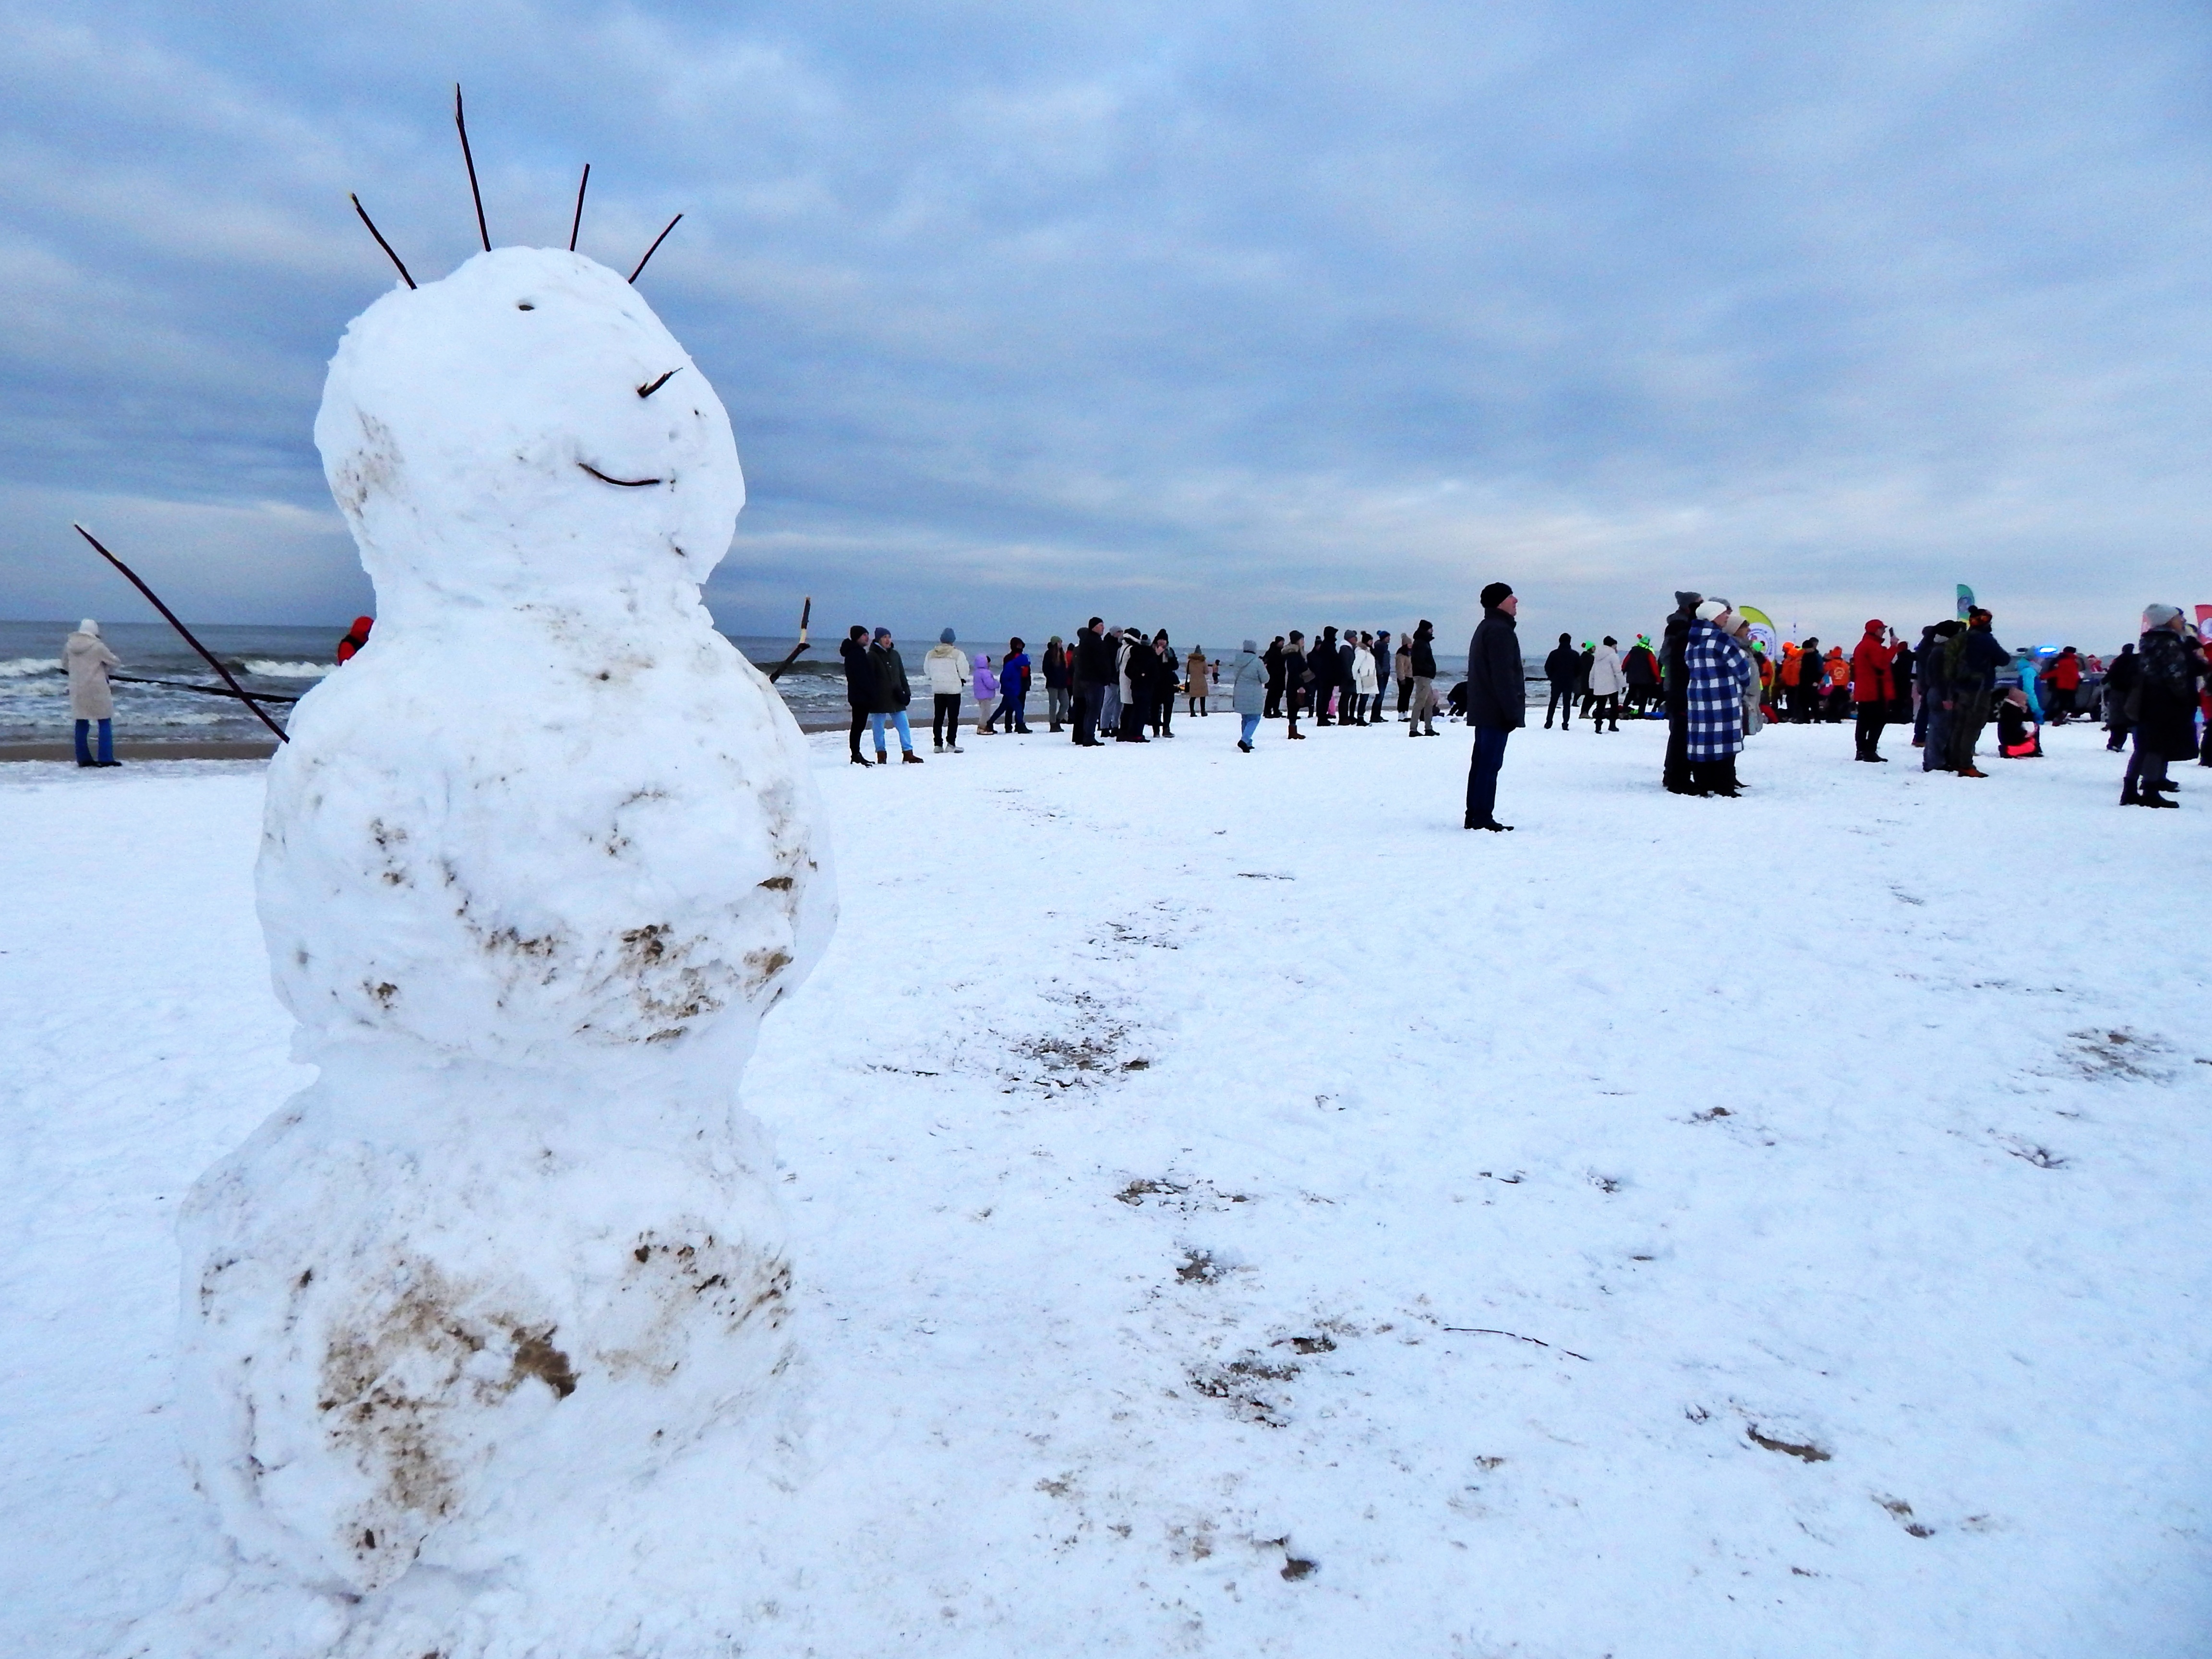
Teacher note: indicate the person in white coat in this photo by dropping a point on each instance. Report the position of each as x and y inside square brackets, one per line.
[1607, 682]
[87, 657]
[1364, 683]
[946, 667]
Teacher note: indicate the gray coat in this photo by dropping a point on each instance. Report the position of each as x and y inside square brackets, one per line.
[1248, 679]
[88, 660]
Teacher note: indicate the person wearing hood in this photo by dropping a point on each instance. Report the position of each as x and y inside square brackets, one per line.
[1497, 706]
[1423, 661]
[1717, 672]
[1014, 688]
[1675, 684]
[945, 667]
[986, 685]
[859, 685]
[1562, 669]
[86, 656]
[1055, 682]
[1247, 690]
[1197, 680]
[893, 693]
[1754, 689]
[2161, 706]
[1164, 677]
[354, 638]
[1607, 683]
[1401, 664]
[1872, 689]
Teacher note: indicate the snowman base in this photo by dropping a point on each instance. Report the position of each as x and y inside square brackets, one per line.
[434, 1302]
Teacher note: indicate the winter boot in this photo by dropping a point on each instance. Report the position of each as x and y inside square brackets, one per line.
[912, 759]
[858, 760]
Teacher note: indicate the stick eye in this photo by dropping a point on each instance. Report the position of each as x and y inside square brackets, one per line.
[525, 304]
[651, 386]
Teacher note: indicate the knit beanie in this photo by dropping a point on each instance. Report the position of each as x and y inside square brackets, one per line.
[1684, 600]
[1712, 610]
[945, 638]
[1496, 594]
[2159, 615]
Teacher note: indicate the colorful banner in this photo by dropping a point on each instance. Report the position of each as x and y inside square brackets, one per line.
[1763, 629]
[1966, 600]
[2205, 623]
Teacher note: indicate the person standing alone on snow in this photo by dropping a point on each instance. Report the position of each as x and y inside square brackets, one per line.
[1563, 668]
[1871, 688]
[945, 667]
[1496, 706]
[87, 657]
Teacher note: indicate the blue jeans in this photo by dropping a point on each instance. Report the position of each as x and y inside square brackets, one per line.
[1251, 727]
[897, 717]
[1482, 772]
[106, 744]
[1936, 756]
[1017, 714]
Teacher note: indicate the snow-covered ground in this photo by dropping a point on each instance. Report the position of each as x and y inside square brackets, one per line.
[1237, 1211]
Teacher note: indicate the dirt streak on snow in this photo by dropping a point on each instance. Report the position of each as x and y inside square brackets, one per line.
[1237, 1211]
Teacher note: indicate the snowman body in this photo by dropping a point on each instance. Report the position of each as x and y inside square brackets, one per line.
[534, 864]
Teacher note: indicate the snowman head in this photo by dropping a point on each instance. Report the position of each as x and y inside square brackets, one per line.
[525, 432]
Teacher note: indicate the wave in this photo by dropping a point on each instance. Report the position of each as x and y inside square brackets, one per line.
[268, 669]
[23, 667]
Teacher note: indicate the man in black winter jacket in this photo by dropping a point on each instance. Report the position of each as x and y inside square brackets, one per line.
[1561, 669]
[1094, 666]
[1272, 657]
[1675, 683]
[859, 685]
[1495, 705]
[1424, 681]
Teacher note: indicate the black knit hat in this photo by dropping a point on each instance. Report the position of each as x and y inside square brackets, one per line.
[1496, 594]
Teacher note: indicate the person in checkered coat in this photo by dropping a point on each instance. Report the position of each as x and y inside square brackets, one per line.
[1718, 669]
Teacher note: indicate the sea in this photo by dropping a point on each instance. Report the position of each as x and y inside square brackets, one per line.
[284, 664]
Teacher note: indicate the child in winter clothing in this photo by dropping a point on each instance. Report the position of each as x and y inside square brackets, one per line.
[2019, 737]
[987, 697]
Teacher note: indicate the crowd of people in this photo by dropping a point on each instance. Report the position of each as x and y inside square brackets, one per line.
[1121, 685]
[1709, 678]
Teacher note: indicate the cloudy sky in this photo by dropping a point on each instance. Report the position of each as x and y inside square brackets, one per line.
[1224, 317]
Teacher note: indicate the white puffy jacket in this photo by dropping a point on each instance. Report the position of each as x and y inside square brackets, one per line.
[1606, 679]
[946, 665]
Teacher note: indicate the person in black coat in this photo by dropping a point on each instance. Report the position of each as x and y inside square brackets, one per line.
[2119, 685]
[893, 692]
[1674, 682]
[1424, 681]
[1138, 699]
[1321, 663]
[2161, 705]
[1093, 667]
[1272, 657]
[1495, 705]
[1561, 668]
[1295, 673]
[859, 685]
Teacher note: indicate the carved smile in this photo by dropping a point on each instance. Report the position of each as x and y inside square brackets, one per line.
[625, 483]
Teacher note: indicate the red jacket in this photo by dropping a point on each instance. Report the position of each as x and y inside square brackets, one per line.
[2066, 674]
[1870, 676]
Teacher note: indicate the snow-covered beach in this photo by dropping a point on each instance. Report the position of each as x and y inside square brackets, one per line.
[1235, 1210]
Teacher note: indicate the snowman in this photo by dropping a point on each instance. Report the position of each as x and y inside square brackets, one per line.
[533, 866]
